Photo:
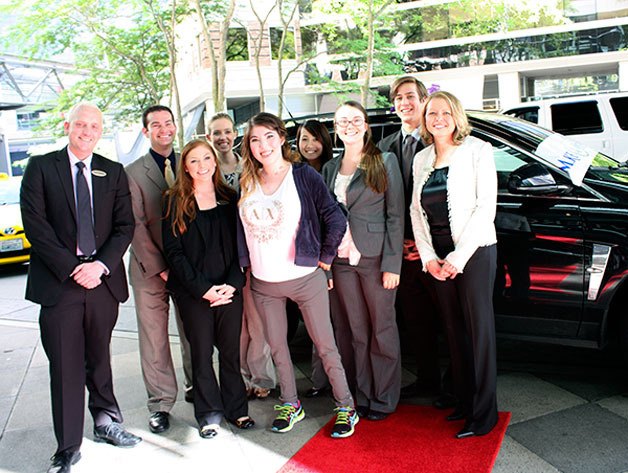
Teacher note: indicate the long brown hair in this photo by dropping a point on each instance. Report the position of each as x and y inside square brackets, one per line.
[250, 165]
[372, 162]
[181, 204]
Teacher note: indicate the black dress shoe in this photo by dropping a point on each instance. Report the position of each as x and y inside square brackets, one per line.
[159, 422]
[446, 401]
[189, 395]
[377, 415]
[115, 434]
[315, 392]
[362, 411]
[63, 461]
[464, 433]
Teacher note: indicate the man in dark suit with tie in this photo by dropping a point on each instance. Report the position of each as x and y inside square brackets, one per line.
[76, 209]
[149, 176]
[415, 296]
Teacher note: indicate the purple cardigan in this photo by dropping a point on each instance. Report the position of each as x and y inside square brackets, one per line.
[322, 223]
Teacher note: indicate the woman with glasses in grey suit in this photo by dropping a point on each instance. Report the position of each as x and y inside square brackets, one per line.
[368, 184]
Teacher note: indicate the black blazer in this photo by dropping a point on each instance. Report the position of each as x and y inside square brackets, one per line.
[393, 144]
[49, 217]
[185, 254]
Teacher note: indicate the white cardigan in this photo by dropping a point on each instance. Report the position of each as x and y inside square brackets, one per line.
[471, 199]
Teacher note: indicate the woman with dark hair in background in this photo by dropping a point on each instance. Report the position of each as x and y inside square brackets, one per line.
[199, 235]
[453, 211]
[314, 144]
[283, 241]
[366, 269]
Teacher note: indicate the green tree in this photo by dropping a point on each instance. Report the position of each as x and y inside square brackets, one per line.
[116, 44]
[220, 14]
[364, 42]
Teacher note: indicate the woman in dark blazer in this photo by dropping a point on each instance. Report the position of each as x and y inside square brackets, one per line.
[366, 270]
[199, 235]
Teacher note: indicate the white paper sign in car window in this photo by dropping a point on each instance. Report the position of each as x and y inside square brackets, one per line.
[568, 155]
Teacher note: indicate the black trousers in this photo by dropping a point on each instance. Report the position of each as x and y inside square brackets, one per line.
[76, 334]
[466, 304]
[416, 300]
[205, 327]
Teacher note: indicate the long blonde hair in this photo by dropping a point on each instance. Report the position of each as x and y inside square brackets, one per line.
[181, 204]
[250, 165]
[372, 161]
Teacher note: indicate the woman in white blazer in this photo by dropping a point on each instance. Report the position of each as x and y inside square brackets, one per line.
[453, 208]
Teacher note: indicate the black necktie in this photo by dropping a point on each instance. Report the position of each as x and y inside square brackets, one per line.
[407, 157]
[86, 240]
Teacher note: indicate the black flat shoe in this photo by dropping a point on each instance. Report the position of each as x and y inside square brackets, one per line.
[362, 411]
[458, 414]
[377, 415]
[189, 395]
[315, 392]
[465, 433]
[159, 422]
[208, 431]
[446, 401]
[62, 462]
[243, 423]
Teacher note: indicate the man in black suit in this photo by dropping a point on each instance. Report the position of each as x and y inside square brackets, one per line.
[415, 297]
[77, 276]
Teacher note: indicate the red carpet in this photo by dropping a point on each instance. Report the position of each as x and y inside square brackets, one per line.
[415, 439]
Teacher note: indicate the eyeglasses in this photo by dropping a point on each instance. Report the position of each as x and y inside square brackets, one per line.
[344, 123]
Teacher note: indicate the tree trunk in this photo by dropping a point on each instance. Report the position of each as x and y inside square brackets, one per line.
[364, 96]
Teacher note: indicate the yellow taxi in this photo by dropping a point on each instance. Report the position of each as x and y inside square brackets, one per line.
[14, 247]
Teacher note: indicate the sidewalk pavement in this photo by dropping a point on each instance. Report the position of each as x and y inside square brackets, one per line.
[558, 424]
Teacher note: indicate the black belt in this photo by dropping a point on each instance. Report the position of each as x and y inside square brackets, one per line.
[86, 259]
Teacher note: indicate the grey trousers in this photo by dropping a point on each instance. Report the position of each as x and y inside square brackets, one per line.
[310, 293]
[152, 307]
[369, 309]
[256, 363]
[342, 334]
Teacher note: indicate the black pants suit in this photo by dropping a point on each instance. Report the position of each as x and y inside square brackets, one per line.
[466, 304]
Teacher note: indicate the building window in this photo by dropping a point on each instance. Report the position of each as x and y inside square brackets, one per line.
[275, 41]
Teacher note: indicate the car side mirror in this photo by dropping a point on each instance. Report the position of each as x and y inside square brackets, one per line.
[535, 179]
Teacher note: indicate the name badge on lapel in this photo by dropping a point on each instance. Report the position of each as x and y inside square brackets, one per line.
[98, 173]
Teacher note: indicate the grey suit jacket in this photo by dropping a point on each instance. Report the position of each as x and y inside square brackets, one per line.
[147, 185]
[376, 220]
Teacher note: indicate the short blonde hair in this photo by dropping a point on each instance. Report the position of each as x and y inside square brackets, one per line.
[462, 130]
[73, 112]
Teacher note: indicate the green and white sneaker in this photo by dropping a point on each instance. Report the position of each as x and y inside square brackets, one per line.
[288, 416]
[346, 418]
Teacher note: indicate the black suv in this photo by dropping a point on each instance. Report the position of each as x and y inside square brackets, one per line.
[562, 249]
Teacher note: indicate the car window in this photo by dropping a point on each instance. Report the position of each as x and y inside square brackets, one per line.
[507, 159]
[576, 118]
[530, 114]
[620, 109]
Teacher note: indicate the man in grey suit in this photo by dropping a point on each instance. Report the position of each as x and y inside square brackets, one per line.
[415, 297]
[149, 176]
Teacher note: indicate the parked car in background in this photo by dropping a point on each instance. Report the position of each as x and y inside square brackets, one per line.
[599, 121]
[562, 233]
[14, 247]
